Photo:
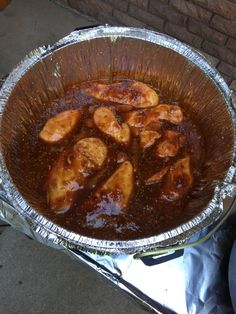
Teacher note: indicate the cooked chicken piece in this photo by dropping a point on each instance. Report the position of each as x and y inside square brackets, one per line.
[92, 148]
[169, 147]
[60, 126]
[157, 177]
[151, 118]
[136, 119]
[62, 185]
[118, 188]
[154, 126]
[136, 94]
[178, 181]
[170, 113]
[148, 138]
[70, 171]
[106, 122]
[123, 108]
[112, 197]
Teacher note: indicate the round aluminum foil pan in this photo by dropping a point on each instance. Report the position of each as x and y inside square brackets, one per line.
[114, 53]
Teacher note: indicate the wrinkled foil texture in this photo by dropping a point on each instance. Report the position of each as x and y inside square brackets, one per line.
[195, 282]
[20, 214]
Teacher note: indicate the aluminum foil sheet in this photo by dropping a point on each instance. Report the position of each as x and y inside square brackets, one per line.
[196, 282]
[115, 52]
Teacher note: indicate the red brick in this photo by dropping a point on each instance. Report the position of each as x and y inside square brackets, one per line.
[140, 3]
[106, 19]
[183, 34]
[164, 1]
[206, 32]
[224, 8]
[227, 78]
[227, 69]
[127, 20]
[231, 44]
[192, 10]
[81, 7]
[146, 17]
[167, 12]
[92, 8]
[61, 1]
[118, 4]
[219, 52]
[214, 61]
[225, 26]
[233, 87]
[151, 28]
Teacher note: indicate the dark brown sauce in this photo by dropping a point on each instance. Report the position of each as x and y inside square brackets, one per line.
[147, 215]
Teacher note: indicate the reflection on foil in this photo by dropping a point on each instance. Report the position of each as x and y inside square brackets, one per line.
[206, 272]
[194, 283]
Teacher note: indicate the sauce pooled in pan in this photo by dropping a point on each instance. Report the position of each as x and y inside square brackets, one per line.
[119, 160]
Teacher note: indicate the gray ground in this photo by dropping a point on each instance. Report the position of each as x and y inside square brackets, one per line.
[35, 278]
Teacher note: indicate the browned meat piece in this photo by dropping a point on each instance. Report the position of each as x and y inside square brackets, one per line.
[118, 188]
[112, 197]
[169, 147]
[60, 126]
[106, 122]
[93, 149]
[157, 177]
[123, 108]
[178, 181]
[69, 172]
[170, 113]
[150, 119]
[135, 120]
[148, 138]
[62, 185]
[136, 94]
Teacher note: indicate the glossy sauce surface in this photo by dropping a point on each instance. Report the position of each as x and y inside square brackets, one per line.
[147, 213]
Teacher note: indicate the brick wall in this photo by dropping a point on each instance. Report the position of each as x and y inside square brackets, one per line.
[208, 25]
